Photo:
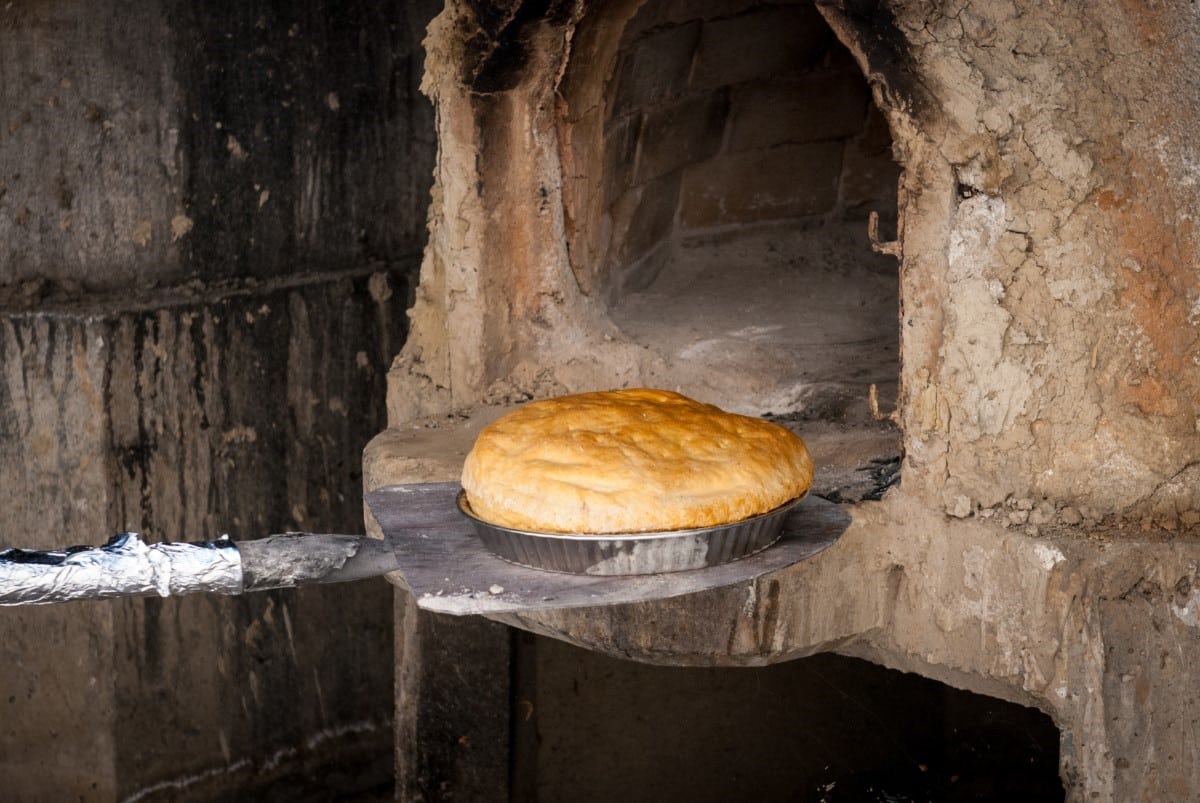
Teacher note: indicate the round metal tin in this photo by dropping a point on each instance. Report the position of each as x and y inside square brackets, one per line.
[631, 553]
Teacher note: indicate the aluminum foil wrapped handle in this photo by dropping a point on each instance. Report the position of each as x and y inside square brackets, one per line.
[124, 566]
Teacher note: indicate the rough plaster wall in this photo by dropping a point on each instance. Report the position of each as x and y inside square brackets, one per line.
[241, 416]
[583, 131]
[1061, 364]
[305, 143]
[150, 143]
[497, 297]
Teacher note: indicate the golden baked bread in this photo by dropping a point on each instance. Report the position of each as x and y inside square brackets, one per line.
[627, 461]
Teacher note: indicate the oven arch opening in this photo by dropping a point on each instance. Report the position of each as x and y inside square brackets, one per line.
[725, 168]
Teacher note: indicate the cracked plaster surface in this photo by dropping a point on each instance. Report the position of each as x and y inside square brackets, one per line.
[1070, 269]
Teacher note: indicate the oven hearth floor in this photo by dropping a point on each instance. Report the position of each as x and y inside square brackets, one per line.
[773, 320]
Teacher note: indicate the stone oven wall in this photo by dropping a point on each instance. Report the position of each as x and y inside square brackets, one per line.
[1050, 288]
[1048, 284]
[588, 192]
[1040, 546]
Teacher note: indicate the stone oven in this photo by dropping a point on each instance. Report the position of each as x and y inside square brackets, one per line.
[951, 243]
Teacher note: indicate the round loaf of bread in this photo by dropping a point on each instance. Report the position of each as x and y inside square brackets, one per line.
[630, 461]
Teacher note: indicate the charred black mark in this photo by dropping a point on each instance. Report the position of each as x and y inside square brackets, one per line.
[886, 50]
[10, 427]
[885, 473]
[493, 16]
[895, 585]
[63, 194]
[51, 343]
[1145, 589]
[135, 458]
[499, 52]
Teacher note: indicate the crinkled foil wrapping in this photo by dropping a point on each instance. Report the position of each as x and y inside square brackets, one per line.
[125, 566]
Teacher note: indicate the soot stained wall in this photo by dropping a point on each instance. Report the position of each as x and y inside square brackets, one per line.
[147, 143]
[303, 139]
[210, 216]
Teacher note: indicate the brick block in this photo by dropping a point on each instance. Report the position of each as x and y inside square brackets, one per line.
[643, 217]
[770, 41]
[681, 133]
[785, 182]
[815, 106]
[655, 68]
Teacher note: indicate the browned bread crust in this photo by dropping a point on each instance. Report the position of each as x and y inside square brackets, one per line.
[624, 461]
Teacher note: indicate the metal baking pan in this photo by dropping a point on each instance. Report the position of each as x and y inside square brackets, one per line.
[631, 553]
